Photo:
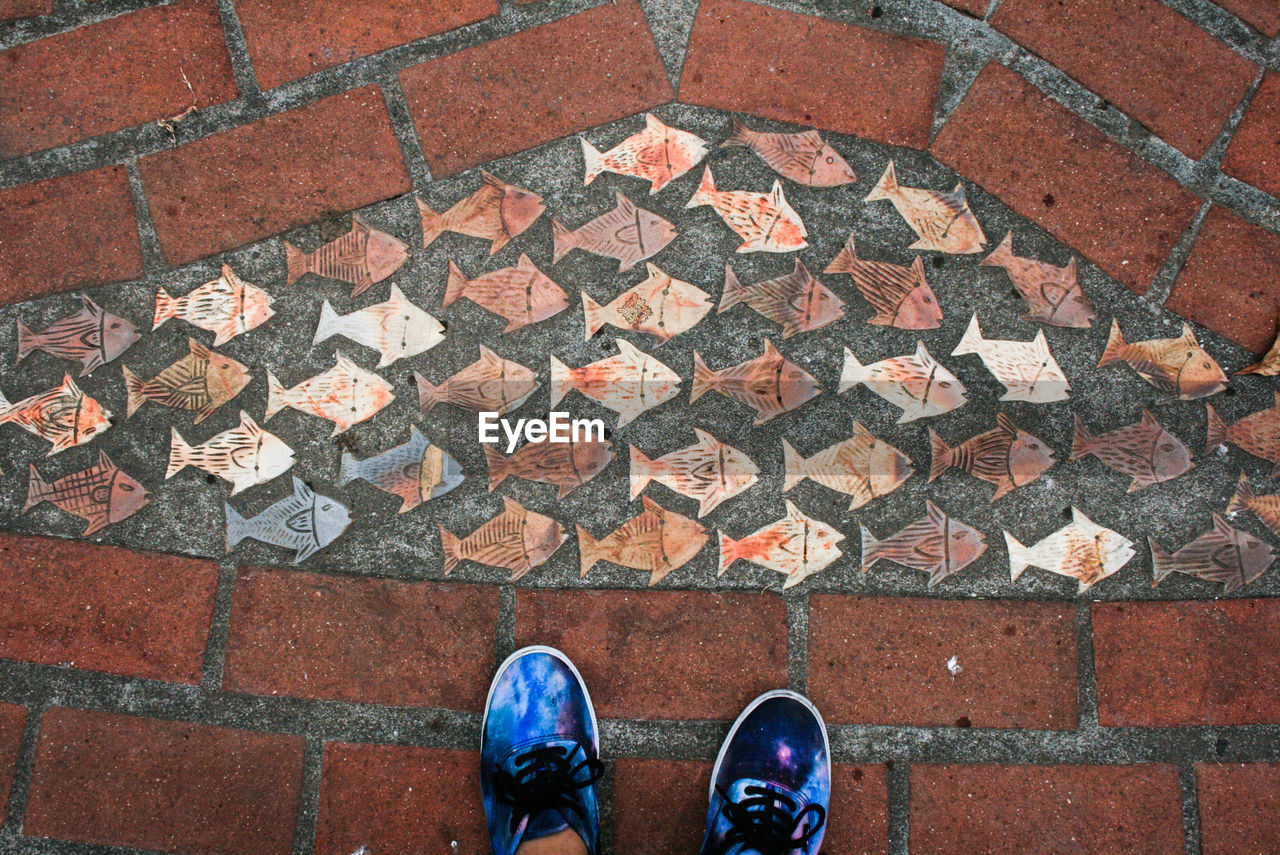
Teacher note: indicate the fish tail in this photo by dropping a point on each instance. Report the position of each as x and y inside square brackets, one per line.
[348, 469]
[134, 387]
[329, 324]
[1114, 351]
[588, 551]
[27, 341]
[852, 373]
[1001, 254]
[941, 461]
[179, 454]
[887, 186]
[498, 468]
[1215, 430]
[1018, 559]
[428, 394]
[1162, 563]
[166, 308]
[734, 291]
[870, 548]
[37, 489]
[296, 262]
[704, 195]
[845, 258]
[704, 379]
[457, 283]
[562, 240]
[592, 316]
[237, 526]
[728, 552]
[1081, 441]
[451, 546]
[561, 380]
[1243, 495]
[739, 134]
[794, 470]
[641, 471]
[432, 223]
[277, 396]
[971, 341]
[591, 158]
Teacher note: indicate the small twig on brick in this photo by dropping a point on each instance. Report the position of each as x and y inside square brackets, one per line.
[171, 123]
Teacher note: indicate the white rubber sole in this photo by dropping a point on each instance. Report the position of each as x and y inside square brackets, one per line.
[733, 731]
[550, 651]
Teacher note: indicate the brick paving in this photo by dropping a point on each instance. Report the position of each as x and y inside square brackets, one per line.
[156, 696]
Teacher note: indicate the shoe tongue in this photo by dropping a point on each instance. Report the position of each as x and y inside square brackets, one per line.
[544, 824]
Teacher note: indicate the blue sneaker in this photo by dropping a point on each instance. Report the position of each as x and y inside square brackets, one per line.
[539, 753]
[772, 781]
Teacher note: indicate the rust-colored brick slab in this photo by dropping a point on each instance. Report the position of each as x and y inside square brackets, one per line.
[114, 74]
[1254, 153]
[1118, 211]
[802, 69]
[641, 652]
[514, 93]
[361, 640]
[882, 660]
[1231, 281]
[1048, 810]
[393, 799]
[858, 822]
[67, 233]
[104, 609]
[976, 8]
[274, 175]
[12, 720]
[1186, 663]
[294, 39]
[164, 785]
[1239, 803]
[659, 806]
[1121, 50]
[13, 9]
[1262, 15]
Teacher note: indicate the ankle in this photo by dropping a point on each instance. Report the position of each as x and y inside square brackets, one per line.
[565, 842]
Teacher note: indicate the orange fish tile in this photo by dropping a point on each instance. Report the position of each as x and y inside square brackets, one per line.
[797, 546]
[346, 394]
[1265, 506]
[1053, 294]
[1179, 366]
[709, 471]
[916, 382]
[770, 384]
[521, 295]
[941, 221]
[1081, 550]
[1223, 554]
[1006, 456]
[629, 383]
[937, 544]
[656, 541]
[566, 465]
[660, 305]
[201, 381]
[395, 328]
[1268, 366]
[92, 336]
[1145, 451]
[100, 495]
[900, 295]
[497, 212]
[628, 233]
[1257, 433]
[764, 221]
[517, 539]
[659, 154]
[797, 300]
[490, 384]
[362, 258]
[862, 466]
[227, 307]
[802, 157]
[245, 455]
[1027, 370]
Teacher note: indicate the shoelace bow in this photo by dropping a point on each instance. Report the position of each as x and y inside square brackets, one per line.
[766, 821]
[545, 779]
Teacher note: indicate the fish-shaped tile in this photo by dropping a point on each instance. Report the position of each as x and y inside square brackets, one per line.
[521, 295]
[941, 221]
[766, 222]
[659, 154]
[1081, 550]
[629, 383]
[416, 471]
[1268, 366]
[797, 546]
[227, 307]
[660, 305]
[304, 521]
[517, 539]
[1222, 554]
[64, 416]
[1027, 369]
[345, 394]
[497, 212]
[862, 466]
[916, 382]
[1265, 506]
[1006, 456]
[628, 233]
[709, 471]
[245, 455]
[1179, 366]
[1257, 433]
[1053, 294]
[656, 541]
[770, 384]
[1144, 450]
[92, 336]
[566, 465]
[936, 544]
[490, 384]
[362, 258]
[802, 157]
[797, 300]
[100, 495]
[396, 328]
[900, 295]
[201, 381]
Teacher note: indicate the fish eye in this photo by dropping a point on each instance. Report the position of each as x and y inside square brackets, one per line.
[945, 384]
[128, 488]
[830, 159]
[958, 535]
[928, 299]
[1166, 446]
[115, 325]
[325, 507]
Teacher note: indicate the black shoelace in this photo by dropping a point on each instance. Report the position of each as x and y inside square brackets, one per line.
[766, 821]
[546, 779]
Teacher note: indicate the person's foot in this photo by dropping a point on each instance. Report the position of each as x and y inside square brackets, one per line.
[539, 754]
[772, 781]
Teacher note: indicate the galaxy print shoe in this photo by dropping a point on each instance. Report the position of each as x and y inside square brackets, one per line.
[539, 754]
[772, 781]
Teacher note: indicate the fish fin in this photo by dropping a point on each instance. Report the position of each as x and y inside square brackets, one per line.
[329, 323]
[1116, 345]
[457, 283]
[591, 161]
[432, 223]
[972, 340]
[347, 468]
[870, 548]
[1004, 488]
[728, 553]
[778, 200]
[497, 464]
[588, 551]
[37, 489]
[845, 258]
[179, 452]
[450, 546]
[1215, 430]
[428, 394]
[941, 461]
[739, 134]
[563, 240]
[297, 264]
[793, 467]
[27, 341]
[496, 244]
[734, 291]
[1006, 424]
[886, 187]
[1019, 561]
[277, 396]
[852, 373]
[237, 526]
[1081, 441]
[1001, 254]
[641, 472]
[1161, 562]
[704, 195]
[1243, 495]
[133, 385]
[592, 316]
[704, 379]
[305, 551]
[166, 308]
[561, 381]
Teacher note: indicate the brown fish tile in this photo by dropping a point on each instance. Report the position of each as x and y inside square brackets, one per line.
[566, 465]
[1257, 433]
[1145, 451]
[64, 416]
[490, 384]
[660, 305]
[900, 295]
[497, 212]
[941, 221]
[629, 384]
[201, 381]
[1006, 456]
[100, 495]
[522, 295]
[656, 541]
[628, 233]
[517, 539]
[659, 154]
[770, 384]
[361, 258]
[862, 466]
[1223, 554]
[802, 157]
[1179, 366]
[1266, 506]
[936, 544]
[797, 300]
[1053, 294]
[766, 222]
[91, 336]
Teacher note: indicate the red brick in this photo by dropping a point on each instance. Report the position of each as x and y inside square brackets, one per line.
[1254, 153]
[1231, 281]
[276, 174]
[120, 72]
[392, 798]
[294, 39]
[882, 660]
[12, 721]
[1033, 154]
[1185, 663]
[1238, 806]
[976, 8]
[516, 92]
[806, 70]
[361, 640]
[164, 785]
[12, 9]
[1121, 50]
[102, 608]
[1262, 15]
[67, 233]
[858, 821]
[641, 652]
[1048, 810]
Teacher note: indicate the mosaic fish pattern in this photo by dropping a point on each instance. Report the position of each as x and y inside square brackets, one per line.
[565, 465]
[764, 221]
[516, 539]
[1027, 370]
[361, 258]
[941, 221]
[656, 541]
[797, 300]
[416, 471]
[709, 471]
[900, 295]
[659, 154]
[770, 384]
[629, 383]
[304, 521]
[1178, 366]
[245, 455]
[92, 336]
[1223, 554]
[521, 295]
[1257, 433]
[227, 307]
[936, 544]
[100, 495]
[490, 384]
[1053, 294]
[801, 157]
[862, 466]
[1006, 456]
[797, 546]
[346, 394]
[496, 212]
[1081, 550]
[917, 383]
[396, 328]
[660, 305]
[201, 381]
[1145, 451]
[64, 416]
[628, 233]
